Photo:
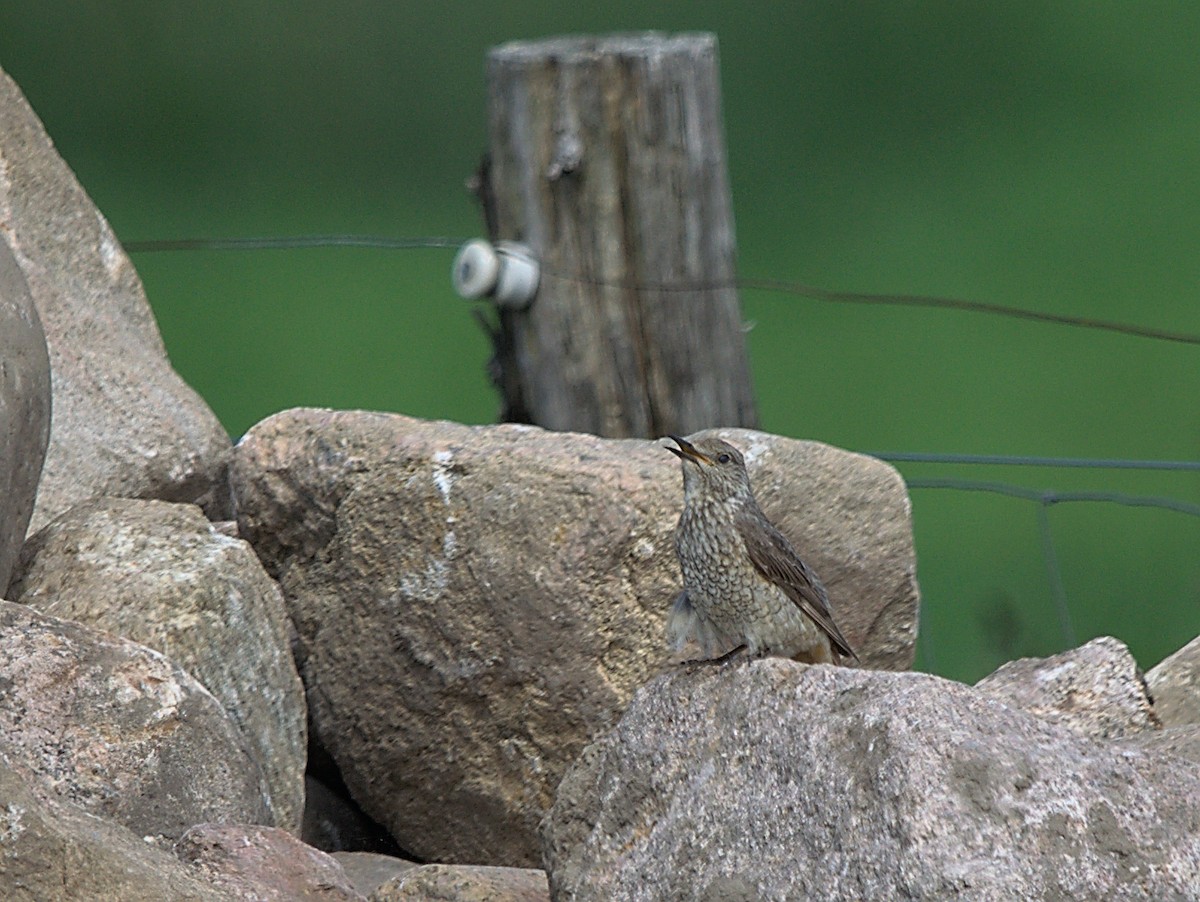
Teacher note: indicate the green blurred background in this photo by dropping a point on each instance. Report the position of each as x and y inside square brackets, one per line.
[1041, 155]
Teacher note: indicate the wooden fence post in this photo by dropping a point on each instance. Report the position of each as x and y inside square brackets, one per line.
[607, 158]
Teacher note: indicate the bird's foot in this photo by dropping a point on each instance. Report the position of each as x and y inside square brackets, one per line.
[729, 656]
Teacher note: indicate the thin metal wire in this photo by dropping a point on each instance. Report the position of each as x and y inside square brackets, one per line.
[916, 300]
[298, 242]
[1044, 498]
[1047, 496]
[784, 286]
[1100, 463]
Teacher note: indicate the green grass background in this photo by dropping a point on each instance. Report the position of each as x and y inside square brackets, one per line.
[1042, 155]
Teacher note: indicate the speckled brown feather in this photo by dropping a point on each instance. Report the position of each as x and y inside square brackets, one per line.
[773, 556]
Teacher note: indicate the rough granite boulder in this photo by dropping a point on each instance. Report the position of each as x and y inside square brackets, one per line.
[161, 575]
[1174, 684]
[24, 409]
[1182, 741]
[119, 730]
[124, 422]
[264, 864]
[369, 870]
[475, 604]
[1097, 690]
[777, 780]
[465, 883]
[52, 851]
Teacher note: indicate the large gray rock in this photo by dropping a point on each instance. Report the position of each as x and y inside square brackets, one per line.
[264, 864]
[119, 730]
[51, 851]
[1174, 684]
[1097, 689]
[1182, 741]
[124, 422]
[776, 780]
[474, 604]
[24, 408]
[161, 575]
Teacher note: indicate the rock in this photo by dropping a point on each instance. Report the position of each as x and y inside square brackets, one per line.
[124, 422]
[1182, 741]
[161, 575]
[1096, 690]
[24, 408]
[119, 730]
[776, 780]
[1174, 684]
[474, 604]
[465, 883]
[369, 870]
[51, 851]
[265, 864]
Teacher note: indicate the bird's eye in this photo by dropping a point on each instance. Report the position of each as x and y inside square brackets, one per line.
[723, 458]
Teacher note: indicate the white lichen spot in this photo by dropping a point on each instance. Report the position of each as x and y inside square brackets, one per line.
[1052, 674]
[6, 211]
[443, 478]
[754, 450]
[432, 580]
[643, 549]
[110, 252]
[431, 583]
[152, 677]
[10, 822]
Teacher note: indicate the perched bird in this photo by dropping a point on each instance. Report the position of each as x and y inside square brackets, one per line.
[743, 583]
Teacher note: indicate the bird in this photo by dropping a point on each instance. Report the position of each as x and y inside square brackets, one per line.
[743, 583]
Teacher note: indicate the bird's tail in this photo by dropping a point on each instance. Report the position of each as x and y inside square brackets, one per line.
[686, 624]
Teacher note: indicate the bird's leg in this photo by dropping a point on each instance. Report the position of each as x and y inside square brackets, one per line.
[722, 659]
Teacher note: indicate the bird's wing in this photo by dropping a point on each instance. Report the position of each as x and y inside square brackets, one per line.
[774, 558]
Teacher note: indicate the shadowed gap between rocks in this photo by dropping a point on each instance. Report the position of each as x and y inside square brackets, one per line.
[333, 821]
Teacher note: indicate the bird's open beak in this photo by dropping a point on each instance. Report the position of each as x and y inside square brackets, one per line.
[686, 450]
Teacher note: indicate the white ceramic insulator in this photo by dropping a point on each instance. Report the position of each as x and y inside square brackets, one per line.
[475, 269]
[519, 274]
[508, 273]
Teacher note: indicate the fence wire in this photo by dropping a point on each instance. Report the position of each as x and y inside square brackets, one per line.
[800, 289]
[1043, 498]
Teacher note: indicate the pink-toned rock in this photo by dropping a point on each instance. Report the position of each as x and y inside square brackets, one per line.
[474, 604]
[119, 730]
[124, 422]
[369, 870]
[160, 574]
[265, 864]
[52, 851]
